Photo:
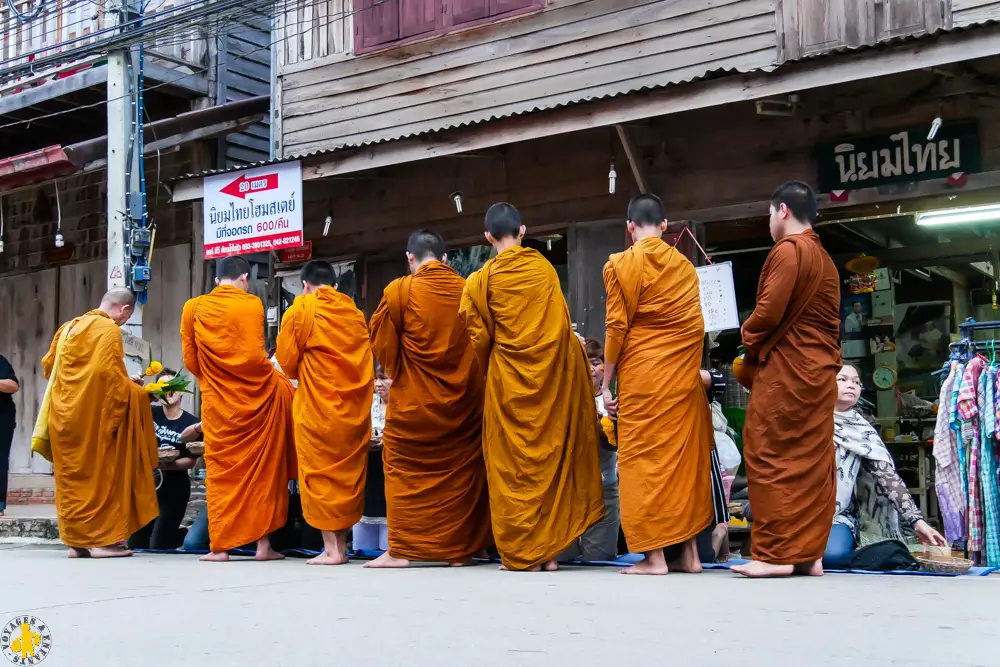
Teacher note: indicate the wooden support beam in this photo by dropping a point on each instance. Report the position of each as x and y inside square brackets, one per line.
[633, 159]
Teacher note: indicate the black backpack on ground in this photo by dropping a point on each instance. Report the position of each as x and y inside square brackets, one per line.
[887, 556]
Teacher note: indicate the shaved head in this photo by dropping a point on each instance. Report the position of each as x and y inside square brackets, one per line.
[119, 304]
[118, 296]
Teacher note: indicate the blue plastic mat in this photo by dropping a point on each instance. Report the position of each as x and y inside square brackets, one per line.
[626, 560]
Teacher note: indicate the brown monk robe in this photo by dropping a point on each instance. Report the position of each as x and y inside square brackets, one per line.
[246, 408]
[539, 438]
[655, 340]
[323, 343]
[100, 430]
[793, 334]
[435, 478]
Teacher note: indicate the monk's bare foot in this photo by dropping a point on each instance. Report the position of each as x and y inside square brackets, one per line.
[388, 561]
[268, 554]
[756, 569]
[213, 557]
[265, 552]
[813, 569]
[327, 558]
[115, 551]
[652, 563]
[334, 549]
[463, 563]
[551, 566]
[79, 553]
[688, 560]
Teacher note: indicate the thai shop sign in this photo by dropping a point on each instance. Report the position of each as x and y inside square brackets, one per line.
[900, 157]
[255, 210]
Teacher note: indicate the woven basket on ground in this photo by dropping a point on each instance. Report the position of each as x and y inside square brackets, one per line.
[943, 564]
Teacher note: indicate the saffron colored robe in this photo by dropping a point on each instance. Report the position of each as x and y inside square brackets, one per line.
[539, 437]
[435, 477]
[323, 343]
[655, 336]
[794, 331]
[101, 431]
[246, 411]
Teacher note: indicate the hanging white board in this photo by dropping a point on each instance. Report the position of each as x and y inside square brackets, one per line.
[718, 297]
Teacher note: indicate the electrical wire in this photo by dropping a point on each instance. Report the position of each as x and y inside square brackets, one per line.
[129, 32]
[244, 56]
[16, 13]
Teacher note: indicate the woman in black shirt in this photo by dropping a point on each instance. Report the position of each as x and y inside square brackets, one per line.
[8, 387]
[174, 429]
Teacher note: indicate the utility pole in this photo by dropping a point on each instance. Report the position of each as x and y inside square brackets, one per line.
[126, 207]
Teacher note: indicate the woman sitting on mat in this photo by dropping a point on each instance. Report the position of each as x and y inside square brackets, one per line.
[873, 504]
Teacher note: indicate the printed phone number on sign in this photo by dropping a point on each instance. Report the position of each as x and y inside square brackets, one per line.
[257, 245]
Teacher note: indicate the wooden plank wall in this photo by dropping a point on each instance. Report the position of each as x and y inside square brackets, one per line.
[572, 51]
[34, 309]
[589, 248]
[969, 12]
[28, 311]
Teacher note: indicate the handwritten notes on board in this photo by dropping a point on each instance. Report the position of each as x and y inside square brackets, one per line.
[718, 297]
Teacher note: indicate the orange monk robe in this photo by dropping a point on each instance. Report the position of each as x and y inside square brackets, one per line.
[655, 336]
[246, 412]
[788, 436]
[101, 431]
[539, 434]
[323, 343]
[435, 477]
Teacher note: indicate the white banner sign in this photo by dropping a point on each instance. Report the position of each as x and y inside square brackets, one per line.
[255, 210]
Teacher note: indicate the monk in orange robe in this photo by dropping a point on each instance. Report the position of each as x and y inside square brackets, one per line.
[323, 343]
[655, 341]
[539, 439]
[246, 410]
[100, 429]
[793, 336]
[435, 478]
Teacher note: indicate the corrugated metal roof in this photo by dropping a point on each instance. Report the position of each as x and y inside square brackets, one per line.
[713, 74]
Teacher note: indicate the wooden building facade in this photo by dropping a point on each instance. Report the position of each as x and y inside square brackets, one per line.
[709, 104]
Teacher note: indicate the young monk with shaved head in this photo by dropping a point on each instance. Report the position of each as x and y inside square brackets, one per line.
[246, 408]
[539, 439]
[655, 337]
[435, 477]
[323, 343]
[100, 428]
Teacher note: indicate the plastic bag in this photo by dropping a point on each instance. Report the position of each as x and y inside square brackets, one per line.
[729, 454]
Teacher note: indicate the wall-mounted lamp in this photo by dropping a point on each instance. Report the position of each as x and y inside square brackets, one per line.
[612, 179]
[326, 225]
[457, 198]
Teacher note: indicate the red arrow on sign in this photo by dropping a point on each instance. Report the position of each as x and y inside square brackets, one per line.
[244, 186]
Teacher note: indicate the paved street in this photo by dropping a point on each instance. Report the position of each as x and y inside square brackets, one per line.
[173, 610]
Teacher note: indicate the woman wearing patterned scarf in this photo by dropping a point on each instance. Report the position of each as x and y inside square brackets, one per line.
[872, 501]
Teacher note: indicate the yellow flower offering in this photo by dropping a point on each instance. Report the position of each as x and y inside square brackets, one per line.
[609, 429]
[179, 384]
[154, 368]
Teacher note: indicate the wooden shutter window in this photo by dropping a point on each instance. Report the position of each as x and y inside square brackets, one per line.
[465, 11]
[376, 23]
[498, 7]
[417, 17]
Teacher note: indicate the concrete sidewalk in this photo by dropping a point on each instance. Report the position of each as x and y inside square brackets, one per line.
[153, 610]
